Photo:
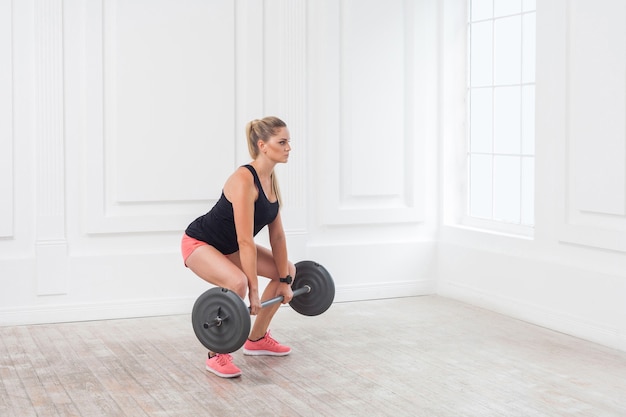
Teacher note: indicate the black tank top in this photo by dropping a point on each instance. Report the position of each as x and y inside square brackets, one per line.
[217, 227]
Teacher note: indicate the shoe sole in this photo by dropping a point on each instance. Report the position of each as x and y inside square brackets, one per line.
[264, 353]
[221, 375]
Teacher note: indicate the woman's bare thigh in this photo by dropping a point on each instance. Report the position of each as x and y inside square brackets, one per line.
[265, 265]
[214, 267]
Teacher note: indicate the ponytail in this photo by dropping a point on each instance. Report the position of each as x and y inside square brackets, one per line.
[263, 129]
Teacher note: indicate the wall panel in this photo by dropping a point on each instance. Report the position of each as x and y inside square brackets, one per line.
[284, 81]
[161, 99]
[6, 119]
[595, 146]
[373, 88]
[597, 139]
[366, 62]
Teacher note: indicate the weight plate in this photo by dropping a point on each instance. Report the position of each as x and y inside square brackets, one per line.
[322, 293]
[220, 320]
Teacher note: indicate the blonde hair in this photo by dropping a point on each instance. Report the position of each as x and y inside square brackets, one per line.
[263, 129]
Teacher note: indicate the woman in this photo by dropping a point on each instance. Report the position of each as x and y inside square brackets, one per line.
[219, 246]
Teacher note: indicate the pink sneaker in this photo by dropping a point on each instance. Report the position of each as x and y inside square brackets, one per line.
[222, 365]
[265, 346]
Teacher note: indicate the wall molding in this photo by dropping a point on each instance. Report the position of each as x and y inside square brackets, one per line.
[593, 215]
[284, 34]
[396, 289]
[367, 155]
[62, 313]
[110, 205]
[6, 120]
[49, 115]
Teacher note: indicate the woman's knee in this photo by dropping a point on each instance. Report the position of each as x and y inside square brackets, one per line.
[240, 285]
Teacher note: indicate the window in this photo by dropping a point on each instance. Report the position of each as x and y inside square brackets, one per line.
[501, 108]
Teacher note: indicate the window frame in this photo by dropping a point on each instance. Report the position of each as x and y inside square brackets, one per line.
[492, 224]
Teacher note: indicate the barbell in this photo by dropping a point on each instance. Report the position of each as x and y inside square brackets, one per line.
[221, 319]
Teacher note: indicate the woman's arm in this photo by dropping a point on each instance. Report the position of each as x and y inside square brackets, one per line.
[278, 243]
[241, 192]
[279, 251]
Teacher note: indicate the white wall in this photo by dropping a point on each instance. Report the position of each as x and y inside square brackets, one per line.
[571, 276]
[120, 120]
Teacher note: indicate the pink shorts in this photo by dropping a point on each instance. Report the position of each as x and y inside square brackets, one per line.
[188, 245]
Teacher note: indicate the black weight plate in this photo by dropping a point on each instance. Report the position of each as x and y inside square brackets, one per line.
[231, 334]
[322, 293]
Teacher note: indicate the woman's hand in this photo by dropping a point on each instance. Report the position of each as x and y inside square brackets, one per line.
[255, 303]
[285, 291]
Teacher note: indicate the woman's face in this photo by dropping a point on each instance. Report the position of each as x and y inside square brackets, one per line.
[277, 146]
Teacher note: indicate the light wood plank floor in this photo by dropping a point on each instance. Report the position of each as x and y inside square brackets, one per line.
[419, 356]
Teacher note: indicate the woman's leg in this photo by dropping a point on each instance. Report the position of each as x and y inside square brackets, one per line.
[212, 266]
[267, 268]
[225, 271]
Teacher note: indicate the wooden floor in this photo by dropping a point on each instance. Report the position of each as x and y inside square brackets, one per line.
[419, 356]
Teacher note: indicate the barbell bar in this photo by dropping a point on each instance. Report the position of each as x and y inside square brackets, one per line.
[302, 290]
[221, 319]
[218, 320]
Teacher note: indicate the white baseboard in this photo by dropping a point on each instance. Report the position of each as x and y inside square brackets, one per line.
[385, 290]
[576, 326]
[62, 313]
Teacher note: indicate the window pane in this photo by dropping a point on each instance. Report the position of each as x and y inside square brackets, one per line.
[507, 123]
[528, 191]
[482, 9]
[501, 111]
[528, 5]
[481, 51]
[528, 120]
[507, 50]
[481, 118]
[480, 186]
[506, 7]
[528, 48]
[506, 189]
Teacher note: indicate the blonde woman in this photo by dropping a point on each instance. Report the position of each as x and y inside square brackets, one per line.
[219, 246]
